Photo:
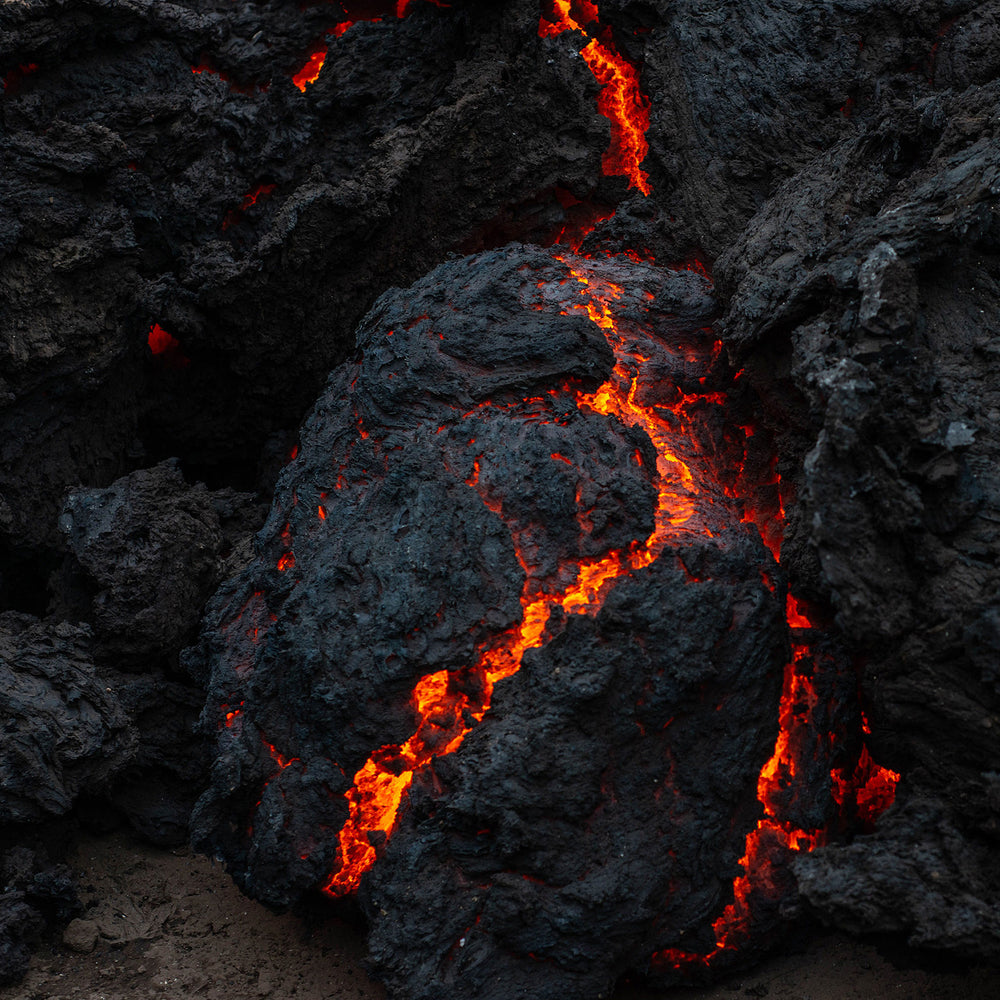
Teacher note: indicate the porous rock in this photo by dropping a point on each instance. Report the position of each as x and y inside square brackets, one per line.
[65, 732]
[598, 810]
[146, 550]
[874, 276]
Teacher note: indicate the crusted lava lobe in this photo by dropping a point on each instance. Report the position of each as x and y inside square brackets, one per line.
[447, 481]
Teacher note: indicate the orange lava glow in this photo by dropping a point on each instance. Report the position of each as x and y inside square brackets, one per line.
[446, 702]
[233, 216]
[868, 791]
[795, 613]
[863, 795]
[311, 70]
[621, 100]
[166, 348]
[356, 12]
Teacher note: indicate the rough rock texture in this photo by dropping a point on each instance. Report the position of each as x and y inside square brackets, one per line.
[883, 308]
[148, 549]
[537, 852]
[34, 894]
[144, 555]
[838, 156]
[64, 731]
[128, 212]
[64, 734]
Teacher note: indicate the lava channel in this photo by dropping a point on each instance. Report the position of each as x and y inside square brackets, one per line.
[380, 785]
[620, 100]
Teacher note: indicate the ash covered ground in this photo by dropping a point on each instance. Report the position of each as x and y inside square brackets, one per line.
[834, 166]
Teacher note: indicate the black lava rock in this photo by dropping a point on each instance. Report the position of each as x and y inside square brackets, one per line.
[598, 809]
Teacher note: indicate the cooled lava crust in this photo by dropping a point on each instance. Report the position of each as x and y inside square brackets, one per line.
[543, 627]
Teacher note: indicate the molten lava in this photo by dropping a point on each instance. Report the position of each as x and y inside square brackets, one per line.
[862, 795]
[371, 11]
[235, 215]
[311, 70]
[621, 100]
[442, 700]
[448, 703]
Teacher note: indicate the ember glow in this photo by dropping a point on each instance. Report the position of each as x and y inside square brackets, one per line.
[861, 795]
[448, 704]
[443, 701]
[260, 192]
[311, 70]
[621, 100]
[360, 10]
[166, 348]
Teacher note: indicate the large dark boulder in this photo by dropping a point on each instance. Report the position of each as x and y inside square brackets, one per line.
[447, 482]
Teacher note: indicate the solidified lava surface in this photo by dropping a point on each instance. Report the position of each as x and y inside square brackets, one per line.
[514, 645]
[443, 677]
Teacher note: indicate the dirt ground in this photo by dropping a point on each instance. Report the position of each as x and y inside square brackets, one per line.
[172, 924]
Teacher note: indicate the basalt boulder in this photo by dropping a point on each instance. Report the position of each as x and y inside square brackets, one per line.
[446, 482]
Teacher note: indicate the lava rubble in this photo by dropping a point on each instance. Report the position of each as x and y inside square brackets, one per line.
[202, 200]
[450, 660]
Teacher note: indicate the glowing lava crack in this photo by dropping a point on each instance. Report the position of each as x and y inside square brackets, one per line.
[509, 656]
[380, 784]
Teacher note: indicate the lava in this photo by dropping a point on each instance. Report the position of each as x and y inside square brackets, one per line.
[862, 795]
[311, 70]
[620, 100]
[235, 215]
[447, 704]
[443, 701]
[365, 10]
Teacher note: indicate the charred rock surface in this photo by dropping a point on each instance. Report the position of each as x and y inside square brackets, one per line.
[64, 731]
[34, 896]
[254, 221]
[64, 734]
[580, 826]
[169, 164]
[148, 550]
[873, 276]
[257, 222]
[144, 555]
[598, 811]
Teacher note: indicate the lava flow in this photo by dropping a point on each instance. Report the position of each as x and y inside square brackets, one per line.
[861, 794]
[442, 704]
[449, 703]
[371, 11]
[621, 100]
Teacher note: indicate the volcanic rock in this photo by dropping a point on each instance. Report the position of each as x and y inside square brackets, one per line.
[64, 731]
[598, 809]
[81, 936]
[144, 555]
[873, 276]
[189, 237]
[130, 213]
[147, 551]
